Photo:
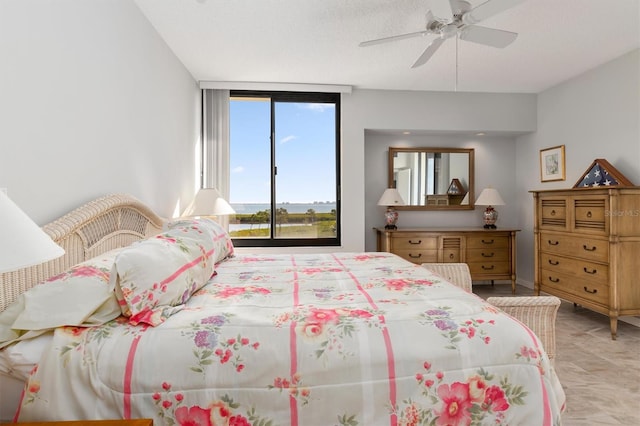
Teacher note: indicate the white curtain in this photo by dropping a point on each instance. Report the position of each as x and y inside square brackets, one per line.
[215, 152]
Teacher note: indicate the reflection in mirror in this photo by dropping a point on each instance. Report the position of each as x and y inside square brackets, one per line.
[432, 178]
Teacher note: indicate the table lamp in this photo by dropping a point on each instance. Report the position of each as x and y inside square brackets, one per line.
[208, 202]
[490, 197]
[22, 242]
[390, 198]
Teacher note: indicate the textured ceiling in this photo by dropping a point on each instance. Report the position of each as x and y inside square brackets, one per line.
[316, 41]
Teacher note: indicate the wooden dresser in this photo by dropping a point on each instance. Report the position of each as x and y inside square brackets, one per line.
[587, 245]
[490, 253]
[133, 422]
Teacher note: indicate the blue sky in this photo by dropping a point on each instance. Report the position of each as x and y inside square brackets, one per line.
[305, 152]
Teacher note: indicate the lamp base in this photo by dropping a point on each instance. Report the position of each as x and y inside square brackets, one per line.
[390, 217]
[489, 216]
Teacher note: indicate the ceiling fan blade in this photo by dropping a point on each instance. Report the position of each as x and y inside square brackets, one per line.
[488, 9]
[441, 9]
[428, 53]
[393, 38]
[488, 36]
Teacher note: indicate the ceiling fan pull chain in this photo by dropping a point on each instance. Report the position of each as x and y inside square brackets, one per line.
[456, 83]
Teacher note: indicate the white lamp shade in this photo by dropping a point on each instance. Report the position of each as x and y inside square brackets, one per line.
[490, 197]
[22, 242]
[208, 202]
[391, 197]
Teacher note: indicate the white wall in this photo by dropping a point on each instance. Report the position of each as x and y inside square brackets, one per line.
[364, 169]
[595, 115]
[92, 101]
[494, 166]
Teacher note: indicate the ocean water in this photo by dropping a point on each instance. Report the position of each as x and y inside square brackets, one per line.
[250, 208]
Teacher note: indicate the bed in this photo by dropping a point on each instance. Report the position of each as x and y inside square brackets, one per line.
[297, 339]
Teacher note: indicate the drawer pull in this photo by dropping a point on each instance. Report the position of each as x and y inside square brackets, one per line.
[594, 291]
[553, 212]
[487, 241]
[415, 243]
[589, 213]
[451, 256]
[553, 243]
[488, 255]
[488, 268]
[553, 262]
[593, 271]
[414, 256]
[555, 280]
[584, 246]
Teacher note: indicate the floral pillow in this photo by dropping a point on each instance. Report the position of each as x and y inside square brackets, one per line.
[153, 278]
[80, 296]
[222, 243]
[97, 268]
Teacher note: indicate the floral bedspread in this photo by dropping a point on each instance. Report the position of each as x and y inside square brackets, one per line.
[305, 339]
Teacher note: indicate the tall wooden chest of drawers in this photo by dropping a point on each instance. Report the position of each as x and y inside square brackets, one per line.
[587, 245]
[490, 253]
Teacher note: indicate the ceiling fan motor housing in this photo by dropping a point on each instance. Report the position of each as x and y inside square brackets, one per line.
[448, 27]
[459, 8]
[449, 31]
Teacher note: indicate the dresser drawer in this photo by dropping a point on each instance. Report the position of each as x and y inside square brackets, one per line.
[593, 213]
[575, 245]
[451, 246]
[418, 256]
[495, 254]
[451, 255]
[553, 213]
[589, 214]
[414, 242]
[593, 291]
[578, 268]
[489, 254]
[489, 268]
[488, 241]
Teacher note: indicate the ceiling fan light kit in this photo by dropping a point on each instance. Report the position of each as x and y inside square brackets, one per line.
[456, 18]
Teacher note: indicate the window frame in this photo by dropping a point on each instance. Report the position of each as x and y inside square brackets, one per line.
[293, 97]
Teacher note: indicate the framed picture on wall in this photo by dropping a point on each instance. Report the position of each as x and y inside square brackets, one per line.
[552, 164]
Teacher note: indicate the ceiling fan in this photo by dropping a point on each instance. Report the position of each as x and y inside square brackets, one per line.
[451, 18]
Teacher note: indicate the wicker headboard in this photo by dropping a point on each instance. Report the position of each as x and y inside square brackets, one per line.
[101, 225]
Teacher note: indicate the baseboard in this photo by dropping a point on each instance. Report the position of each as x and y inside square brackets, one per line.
[635, 321]
[525, 283]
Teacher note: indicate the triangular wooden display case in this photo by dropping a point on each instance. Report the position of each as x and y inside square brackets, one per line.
[456, 188]
[602, 173]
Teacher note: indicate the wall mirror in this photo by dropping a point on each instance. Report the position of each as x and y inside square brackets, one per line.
[433, 178]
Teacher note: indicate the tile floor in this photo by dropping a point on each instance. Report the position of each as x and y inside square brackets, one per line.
[600, 376]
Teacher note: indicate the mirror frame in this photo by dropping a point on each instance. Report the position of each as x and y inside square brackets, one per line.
[470, 151]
